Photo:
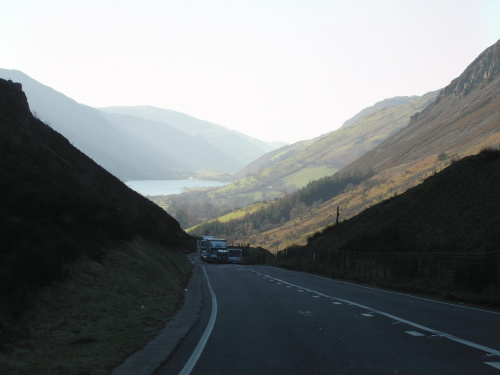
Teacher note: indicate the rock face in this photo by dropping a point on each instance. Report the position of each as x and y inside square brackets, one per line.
[477, 75]
[460, 121]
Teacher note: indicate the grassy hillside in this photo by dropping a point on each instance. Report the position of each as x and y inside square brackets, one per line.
[77, 248]
[102, 313]
[273, 217]
[440, 237]
[295, 166]
[291, 168]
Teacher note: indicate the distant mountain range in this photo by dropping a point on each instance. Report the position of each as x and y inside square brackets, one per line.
[229, 143]
[142, 142]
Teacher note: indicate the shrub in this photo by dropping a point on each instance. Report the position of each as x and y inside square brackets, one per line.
[442, 156]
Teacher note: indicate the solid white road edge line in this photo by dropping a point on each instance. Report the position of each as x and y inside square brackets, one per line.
[421, 327]
[188, 367]
[494, 364]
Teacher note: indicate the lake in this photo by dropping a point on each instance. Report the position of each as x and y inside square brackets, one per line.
[169, 187]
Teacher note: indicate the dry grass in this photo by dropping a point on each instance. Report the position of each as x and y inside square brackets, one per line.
[102, 314]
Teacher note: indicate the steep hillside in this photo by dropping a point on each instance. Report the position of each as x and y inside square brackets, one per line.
[72, 237]
[230, 144]
[292, 167]
[87, 129]
[457, 210]
[462, 120]
[440, 237]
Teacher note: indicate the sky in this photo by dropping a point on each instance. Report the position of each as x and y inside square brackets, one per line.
[276, 70]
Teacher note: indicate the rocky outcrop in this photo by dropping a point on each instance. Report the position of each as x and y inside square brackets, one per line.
[13, 101]
[477, 75]
[461, 120]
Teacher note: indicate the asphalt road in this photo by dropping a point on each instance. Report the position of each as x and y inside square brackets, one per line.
[266, 320]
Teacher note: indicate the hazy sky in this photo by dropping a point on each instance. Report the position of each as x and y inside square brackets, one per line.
[273, 69]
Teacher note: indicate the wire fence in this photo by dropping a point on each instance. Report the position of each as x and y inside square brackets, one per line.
[477, 270]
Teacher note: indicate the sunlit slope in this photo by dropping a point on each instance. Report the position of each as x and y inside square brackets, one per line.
[292, 167]
[439, 238]
[462, 120]
[454, 210]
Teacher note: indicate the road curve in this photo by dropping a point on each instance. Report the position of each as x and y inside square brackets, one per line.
[273, 321]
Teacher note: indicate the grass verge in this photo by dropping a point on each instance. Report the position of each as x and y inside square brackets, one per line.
[102, 314]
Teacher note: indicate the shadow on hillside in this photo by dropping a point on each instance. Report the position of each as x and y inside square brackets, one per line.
[440, 238]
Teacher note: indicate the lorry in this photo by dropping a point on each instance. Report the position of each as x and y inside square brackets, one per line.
[234, 256]
[201, 244]
[213, 245]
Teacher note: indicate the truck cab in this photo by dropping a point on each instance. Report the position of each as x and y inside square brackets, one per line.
[222, 256]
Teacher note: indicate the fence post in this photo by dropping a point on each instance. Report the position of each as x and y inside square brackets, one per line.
[419, 266]
[498, 268]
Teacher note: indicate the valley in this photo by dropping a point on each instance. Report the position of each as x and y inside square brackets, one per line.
[403, 196]
[454, 125]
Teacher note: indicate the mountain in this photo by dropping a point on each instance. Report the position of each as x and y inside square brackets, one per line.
[193, 153]
[124, 151]
[292, 167]
[229, 143]
[79, 253]
[461, 121]
[299, 163]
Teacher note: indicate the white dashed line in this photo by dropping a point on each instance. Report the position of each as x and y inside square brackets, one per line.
[410, 323]
[368, 315]
[414, 333]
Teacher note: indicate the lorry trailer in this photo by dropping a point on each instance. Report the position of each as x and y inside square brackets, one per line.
[213, 245]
